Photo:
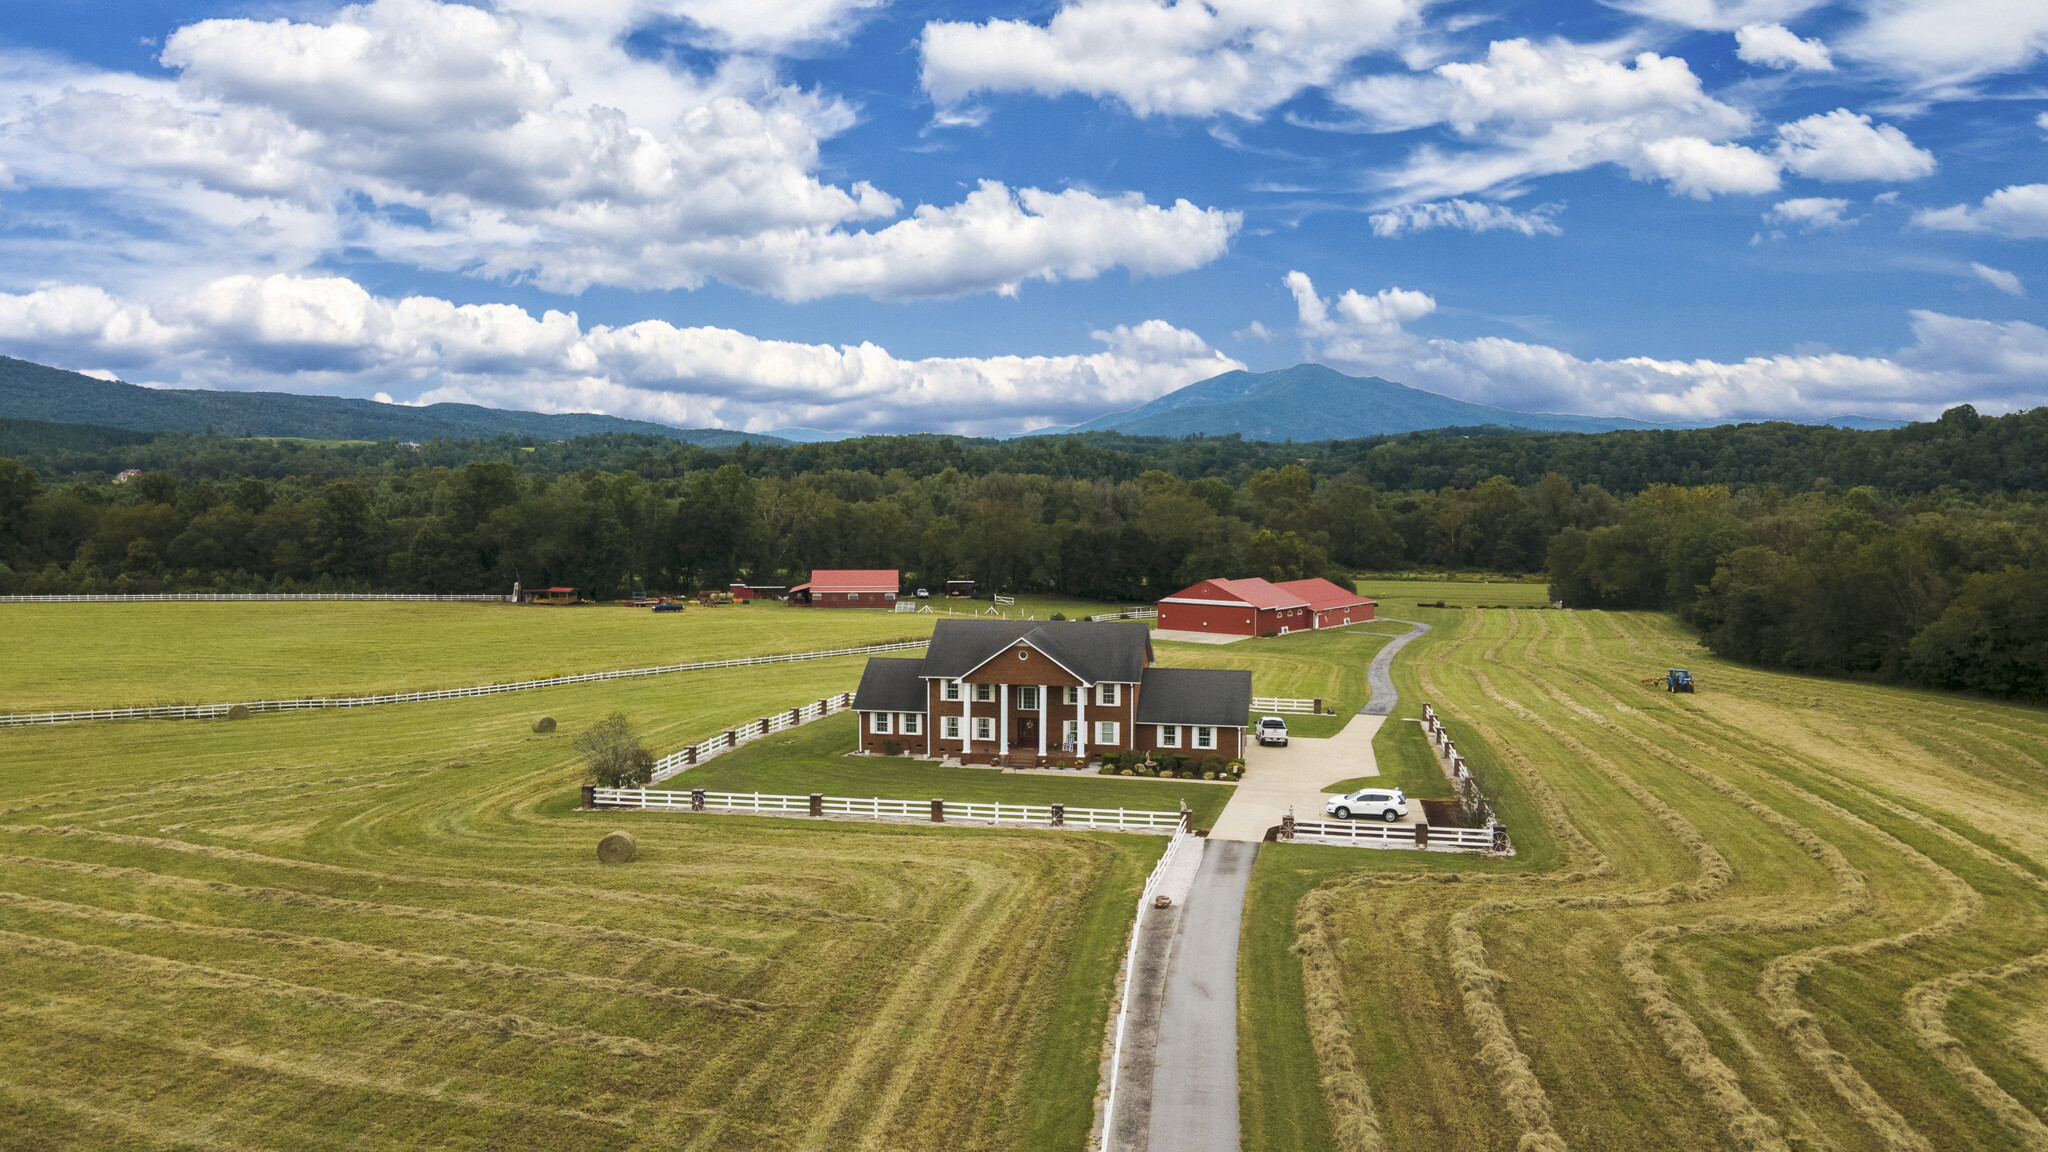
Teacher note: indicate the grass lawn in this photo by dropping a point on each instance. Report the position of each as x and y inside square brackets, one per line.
[1398, 597]
[117, 655]
[387, 928]
[814, 758]
[1783, 906]
[1330, 663]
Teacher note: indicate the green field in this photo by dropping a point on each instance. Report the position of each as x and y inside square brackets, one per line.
[1399, 597]
[119, 655]
[387, 928]
[1330, 664]
[1784, 913]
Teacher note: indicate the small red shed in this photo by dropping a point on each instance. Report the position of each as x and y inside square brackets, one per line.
[849, 588]
[1330, 605]
[1249, 607]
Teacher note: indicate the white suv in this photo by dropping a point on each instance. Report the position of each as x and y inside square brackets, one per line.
[1387, 804]
[1272, 730]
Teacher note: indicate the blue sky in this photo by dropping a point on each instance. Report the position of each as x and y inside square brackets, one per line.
[862, 215]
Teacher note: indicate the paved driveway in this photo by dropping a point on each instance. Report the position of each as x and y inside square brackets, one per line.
[1194, 1078]
[1297, 775]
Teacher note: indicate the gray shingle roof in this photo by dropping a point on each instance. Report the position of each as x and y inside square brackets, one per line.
[891, 685]
[1116, 652]
[1216, 696]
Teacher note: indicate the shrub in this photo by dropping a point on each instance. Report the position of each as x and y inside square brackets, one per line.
[614, 754]
[1208, 775]
[891, 747]
[1057, 616]
[1236, 767]
[1125, 772]
[544, 725]
[1213, 763]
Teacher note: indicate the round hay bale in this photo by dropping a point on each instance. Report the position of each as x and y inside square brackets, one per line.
[239, 712]
[544, 725]
[617, 848]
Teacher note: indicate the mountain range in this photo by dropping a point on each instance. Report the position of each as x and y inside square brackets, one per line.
[30, 391]
[1307, 402]
[1313, 402]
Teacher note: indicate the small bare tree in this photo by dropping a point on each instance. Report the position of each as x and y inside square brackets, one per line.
[615, 756]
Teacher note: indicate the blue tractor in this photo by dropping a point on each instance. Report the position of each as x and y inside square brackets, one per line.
[1678, 680]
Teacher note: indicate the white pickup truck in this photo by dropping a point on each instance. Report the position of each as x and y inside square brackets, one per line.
[1271, 730]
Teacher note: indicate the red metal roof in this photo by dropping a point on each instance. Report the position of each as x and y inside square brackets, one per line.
[1323, 595]
[854, 580]
[1252, 590]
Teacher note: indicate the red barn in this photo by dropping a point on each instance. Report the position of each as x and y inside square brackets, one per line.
[849, 588]
[1330, 605]
[1250, 607]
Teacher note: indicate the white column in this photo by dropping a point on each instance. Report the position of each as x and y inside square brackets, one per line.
[1081, 720]
[966, 717]
[1042, 691]
[1003, 718]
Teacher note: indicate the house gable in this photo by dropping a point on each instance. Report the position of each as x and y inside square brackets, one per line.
[1022, 663]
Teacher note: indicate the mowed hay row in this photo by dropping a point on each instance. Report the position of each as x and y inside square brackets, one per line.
[1656, 1024]
[395, 927]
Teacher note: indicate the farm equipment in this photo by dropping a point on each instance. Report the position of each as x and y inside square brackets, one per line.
[1678, 680]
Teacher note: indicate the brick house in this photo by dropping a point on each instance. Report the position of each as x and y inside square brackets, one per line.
[848, 588]
[1028, 693]
[1330, 605]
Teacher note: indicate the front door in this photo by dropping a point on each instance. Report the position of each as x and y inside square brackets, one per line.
[1027, 733]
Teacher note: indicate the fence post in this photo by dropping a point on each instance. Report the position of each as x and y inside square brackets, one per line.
[1422, 835]
[1287, 825]
[696, 799]
[1059, 815]
[1319, 705]
[795, 717]
[690, 755]
[817, 803]
[1500, 838]
[732, 738]
[938, 811]
[590, 795]
[1187, 818]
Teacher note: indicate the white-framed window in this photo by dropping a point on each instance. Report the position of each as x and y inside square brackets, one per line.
[1169, 735]
[1072, 735]
[950, 728]
[983, 693]
[878, 723]
[1073, 694]
[1205, 737]
[949, 690]
[1027, 697]
[853, 595]
[912, 723]
[984, 728]
[1105, 694]
[1105, 732]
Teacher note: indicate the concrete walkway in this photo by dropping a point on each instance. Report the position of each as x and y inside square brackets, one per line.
[1194, 1078]
[1299, 775]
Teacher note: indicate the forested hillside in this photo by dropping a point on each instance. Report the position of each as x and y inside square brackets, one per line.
[1919, 554]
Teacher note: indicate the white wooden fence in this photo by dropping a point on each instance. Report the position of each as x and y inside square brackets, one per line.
[1001, 599]
[877, 808]
[144, 596]
[1116, 1058]
[216, 711]
[732, 738]
[1128, 614]
[1287, 704]
[1366, 834]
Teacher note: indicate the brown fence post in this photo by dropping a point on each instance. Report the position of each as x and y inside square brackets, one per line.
[1422, 835]
[1319, 705]
[1500, 838]
[590, 795]
[1059, 815]
[817, 804]
[795, 717]
[690, 754]
[696, 799]
[938, 811]
[763, 722]
[732, 738]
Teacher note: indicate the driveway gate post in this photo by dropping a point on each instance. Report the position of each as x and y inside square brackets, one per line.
[817, 804]
[1059, 815]
[938, 811]
[696, 799]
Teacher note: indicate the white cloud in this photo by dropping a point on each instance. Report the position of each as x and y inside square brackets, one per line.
[1945, 47]
[1809, 213]
[328, 334]
[1469, 215]
[1997, 366]
[1842, 145]
[1700, 169]
[1999, 278]
[1532, 109]
[1776, 46]
[2019, 211]
[1165, 57]
[529, 145]
[1720, 15]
